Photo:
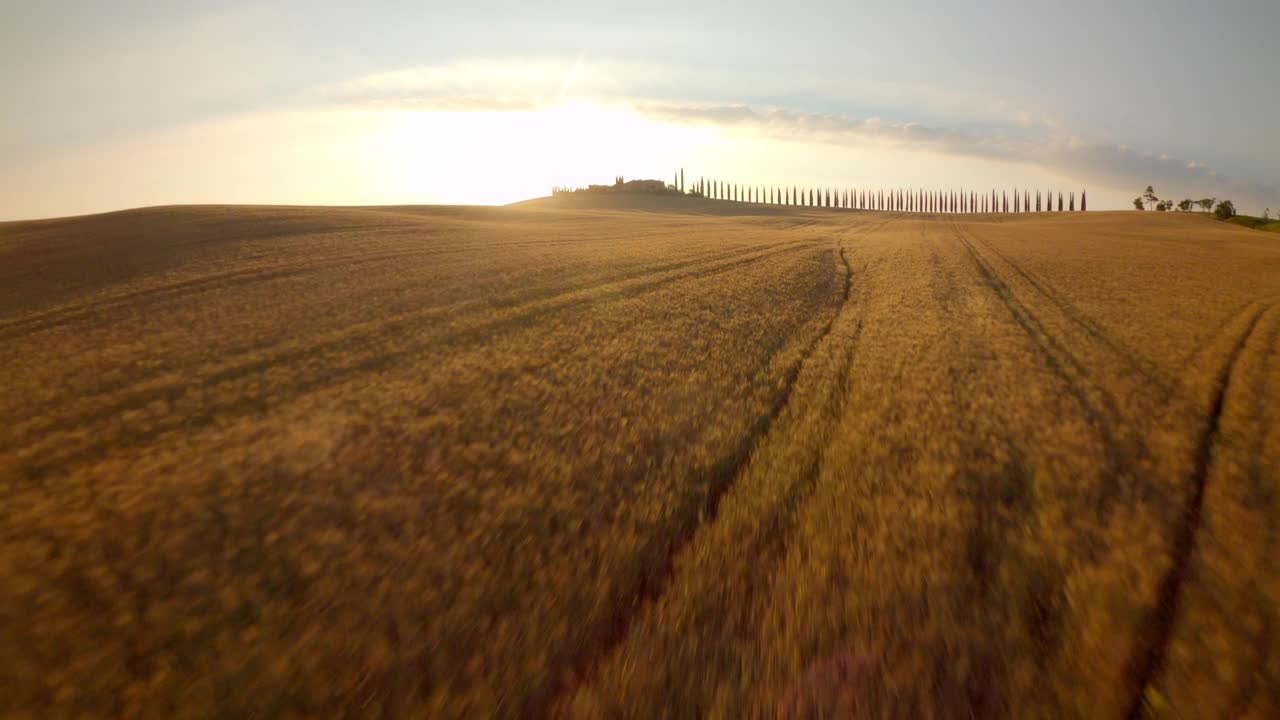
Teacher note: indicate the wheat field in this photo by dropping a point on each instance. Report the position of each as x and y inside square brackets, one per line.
[638, 457]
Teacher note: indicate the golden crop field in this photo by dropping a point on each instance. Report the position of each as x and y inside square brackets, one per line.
[668, 458]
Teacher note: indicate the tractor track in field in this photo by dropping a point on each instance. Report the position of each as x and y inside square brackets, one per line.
[141, 298]
[367, 329]
[1087, 324]
[721, 478]
[1070, 369]
[1149, 655]
[374, 358]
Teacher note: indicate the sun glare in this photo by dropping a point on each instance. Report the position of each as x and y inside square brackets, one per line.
[501, 156]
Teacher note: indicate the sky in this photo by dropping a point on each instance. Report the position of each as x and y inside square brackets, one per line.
[134, 103]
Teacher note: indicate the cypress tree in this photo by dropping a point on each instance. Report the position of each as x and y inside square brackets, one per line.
[1060, 206]
[1083, 201]
[1073, 201]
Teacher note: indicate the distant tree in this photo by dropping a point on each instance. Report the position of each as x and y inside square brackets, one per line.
[681, 179]
[1186, 205]
[1206, 204]
[1225, 210]
[1072, 206]
[1060, 205]
[1149, 196]
[1137, 203]
[1162, 206]
[1083, 201]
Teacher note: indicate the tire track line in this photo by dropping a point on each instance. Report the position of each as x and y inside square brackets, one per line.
[457, 311]
[1149, 656]
[463, 309]
[375, 357]
[1073, 314]
[718, 479]
[92, 309]
[1070, 370]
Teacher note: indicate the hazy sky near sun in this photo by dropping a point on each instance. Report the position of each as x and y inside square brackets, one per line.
[112, 105]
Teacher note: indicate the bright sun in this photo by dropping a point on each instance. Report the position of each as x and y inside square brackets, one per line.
[496, 157]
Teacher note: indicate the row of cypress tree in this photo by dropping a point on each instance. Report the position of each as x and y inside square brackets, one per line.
[900, 200]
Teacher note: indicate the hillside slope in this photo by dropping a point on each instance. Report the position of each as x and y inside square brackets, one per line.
[564, 459]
